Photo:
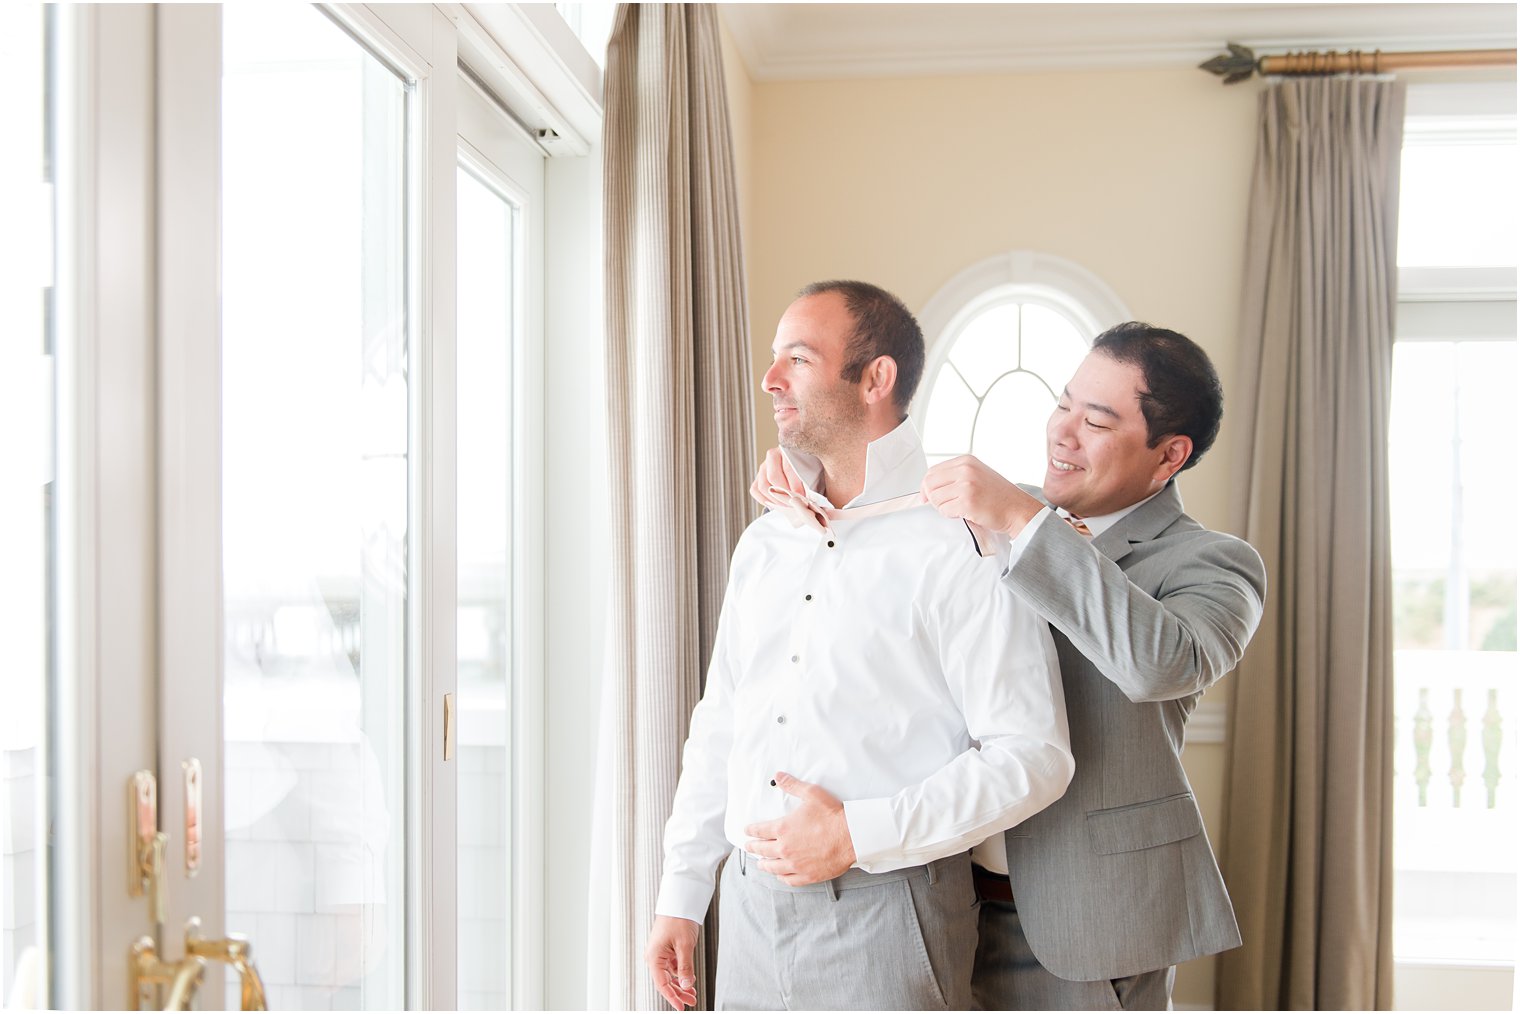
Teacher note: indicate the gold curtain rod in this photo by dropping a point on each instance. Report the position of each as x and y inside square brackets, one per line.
[1240, 62]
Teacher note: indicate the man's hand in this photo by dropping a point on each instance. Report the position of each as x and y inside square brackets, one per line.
[774, 471]
[807, 846]
[964, 487]
[670, 956]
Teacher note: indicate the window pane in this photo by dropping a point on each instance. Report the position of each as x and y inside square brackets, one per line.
[952, 410]
[994, 393]
[1450, 467]
[315, 519]
[1458, 206]
[1010, 432]
[26, 490]
[1052, 348]
[988, 347]
[1453, 485]
[487, 307]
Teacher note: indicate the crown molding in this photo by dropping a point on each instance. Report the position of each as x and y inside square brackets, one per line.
[781, 42]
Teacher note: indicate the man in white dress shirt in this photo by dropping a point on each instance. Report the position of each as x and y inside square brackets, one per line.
[869, 692]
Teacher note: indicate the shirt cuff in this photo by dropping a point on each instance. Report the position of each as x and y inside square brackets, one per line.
[873, 831]
[684, 898]
[1009, 554]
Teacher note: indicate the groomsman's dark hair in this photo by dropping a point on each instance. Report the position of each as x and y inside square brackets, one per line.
[1182, 395]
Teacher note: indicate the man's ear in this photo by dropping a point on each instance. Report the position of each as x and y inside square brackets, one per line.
[880, 379]
[1175, 452]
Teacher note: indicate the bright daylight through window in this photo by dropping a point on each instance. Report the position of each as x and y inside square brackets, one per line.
[1453, 485]
[26, 493]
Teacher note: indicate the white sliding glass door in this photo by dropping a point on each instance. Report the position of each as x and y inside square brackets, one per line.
[315, 513]
[299, 564]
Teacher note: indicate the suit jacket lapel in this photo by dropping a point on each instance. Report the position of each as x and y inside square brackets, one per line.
[1141, 524]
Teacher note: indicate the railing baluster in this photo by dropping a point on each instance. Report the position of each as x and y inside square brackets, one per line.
[1456, 738]
[1493, 738]
[1424, 733]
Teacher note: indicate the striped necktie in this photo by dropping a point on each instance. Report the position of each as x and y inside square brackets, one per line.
[1079, 525]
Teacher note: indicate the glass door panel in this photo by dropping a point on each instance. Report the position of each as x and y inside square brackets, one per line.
[315, 517]
[26, 489]
[488, 234]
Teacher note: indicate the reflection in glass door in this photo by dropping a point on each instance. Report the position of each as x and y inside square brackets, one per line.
[26, 491]
[315, 494]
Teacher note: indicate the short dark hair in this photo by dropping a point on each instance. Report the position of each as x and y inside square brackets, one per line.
[884, 326]
[1182, 395]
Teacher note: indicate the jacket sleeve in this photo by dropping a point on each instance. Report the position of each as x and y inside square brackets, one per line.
[1154, 647]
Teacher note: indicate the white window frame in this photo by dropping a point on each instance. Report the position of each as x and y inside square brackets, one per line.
[1455, 304]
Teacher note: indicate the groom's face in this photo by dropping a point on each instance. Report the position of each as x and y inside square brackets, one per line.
[816, 409]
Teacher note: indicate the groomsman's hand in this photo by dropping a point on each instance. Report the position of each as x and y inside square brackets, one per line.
[774, 471]
[965, 487]
[807, 846]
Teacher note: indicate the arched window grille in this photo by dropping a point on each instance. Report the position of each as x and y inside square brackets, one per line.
[1005, 337]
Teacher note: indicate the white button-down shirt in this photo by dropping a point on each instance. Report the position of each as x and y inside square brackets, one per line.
[883, 661]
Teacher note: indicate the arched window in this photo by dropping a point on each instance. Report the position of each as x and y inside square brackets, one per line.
[1004, 337]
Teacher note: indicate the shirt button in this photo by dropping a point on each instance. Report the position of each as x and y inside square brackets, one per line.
[831, 543]
[796, 657]
[780, 719]
[807, 598]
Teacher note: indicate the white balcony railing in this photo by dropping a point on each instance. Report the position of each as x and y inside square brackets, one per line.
[1456, 819]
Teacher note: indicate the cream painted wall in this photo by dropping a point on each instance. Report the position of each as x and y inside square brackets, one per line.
[1140, 176]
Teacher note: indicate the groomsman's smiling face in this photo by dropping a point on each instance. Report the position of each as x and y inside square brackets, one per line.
[1098, 454]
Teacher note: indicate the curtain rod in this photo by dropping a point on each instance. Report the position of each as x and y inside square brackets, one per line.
[1240, 63]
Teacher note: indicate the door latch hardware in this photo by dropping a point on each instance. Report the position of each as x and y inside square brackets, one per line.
[146, 844]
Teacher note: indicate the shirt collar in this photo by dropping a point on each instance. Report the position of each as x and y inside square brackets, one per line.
[895, 466]
[1103, 522]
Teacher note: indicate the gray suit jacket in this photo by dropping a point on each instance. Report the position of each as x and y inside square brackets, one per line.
[1117, 877]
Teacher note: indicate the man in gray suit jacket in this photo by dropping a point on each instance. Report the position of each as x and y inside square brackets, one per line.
[1098, 897]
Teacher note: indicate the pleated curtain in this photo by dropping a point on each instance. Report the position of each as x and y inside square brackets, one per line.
[1307, 839]
[681, 419]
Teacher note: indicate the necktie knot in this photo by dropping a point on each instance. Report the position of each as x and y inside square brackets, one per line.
[1079, 525]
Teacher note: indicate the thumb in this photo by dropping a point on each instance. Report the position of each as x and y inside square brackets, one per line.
[794, 786]
[685, 976]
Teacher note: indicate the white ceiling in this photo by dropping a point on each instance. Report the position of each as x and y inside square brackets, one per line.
[808, 40]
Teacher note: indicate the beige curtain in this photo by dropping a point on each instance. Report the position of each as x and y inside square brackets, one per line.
[1307, 837]
[681, 420]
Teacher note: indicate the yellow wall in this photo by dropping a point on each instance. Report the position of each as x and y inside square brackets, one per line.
[1142, 177]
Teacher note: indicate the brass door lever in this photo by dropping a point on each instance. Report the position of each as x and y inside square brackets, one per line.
[148, 970]
[184, 977]
[235, 951]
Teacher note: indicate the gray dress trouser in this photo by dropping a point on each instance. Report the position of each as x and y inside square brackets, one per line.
[903, 940]
[1009, 977]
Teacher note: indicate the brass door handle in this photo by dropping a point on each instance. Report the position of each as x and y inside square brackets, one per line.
[148, 970]
[235, 951]
[184, 977]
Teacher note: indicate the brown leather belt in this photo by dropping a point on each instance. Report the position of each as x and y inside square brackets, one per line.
[991, 886]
